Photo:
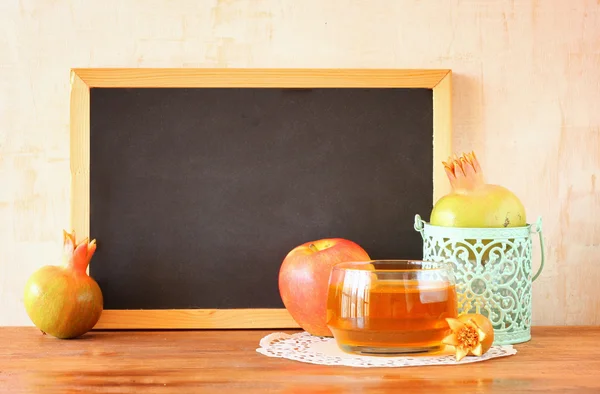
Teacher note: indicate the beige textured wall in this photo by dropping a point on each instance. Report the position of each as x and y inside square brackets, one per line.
[526, 98]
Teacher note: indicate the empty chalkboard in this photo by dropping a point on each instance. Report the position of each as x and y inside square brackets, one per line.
[196, 194]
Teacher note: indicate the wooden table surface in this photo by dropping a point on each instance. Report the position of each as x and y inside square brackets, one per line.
[556, 360]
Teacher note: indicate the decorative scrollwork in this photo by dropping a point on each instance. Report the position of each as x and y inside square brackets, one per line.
[493, 271]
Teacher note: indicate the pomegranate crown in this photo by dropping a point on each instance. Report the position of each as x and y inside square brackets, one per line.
[464, 171]
[78, 255]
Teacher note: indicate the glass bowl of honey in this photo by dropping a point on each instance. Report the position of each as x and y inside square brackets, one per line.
[391, 307]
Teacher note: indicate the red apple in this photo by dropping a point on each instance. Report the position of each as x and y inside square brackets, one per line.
[304, 280]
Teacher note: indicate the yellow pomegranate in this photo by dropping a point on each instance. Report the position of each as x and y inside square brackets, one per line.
[474, 203]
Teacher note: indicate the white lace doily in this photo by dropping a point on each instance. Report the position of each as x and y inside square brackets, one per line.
[324, 351]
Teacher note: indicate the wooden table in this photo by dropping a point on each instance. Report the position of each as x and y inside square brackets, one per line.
[556, 360]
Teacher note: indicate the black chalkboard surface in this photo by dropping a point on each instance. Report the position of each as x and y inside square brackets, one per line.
[197, 194]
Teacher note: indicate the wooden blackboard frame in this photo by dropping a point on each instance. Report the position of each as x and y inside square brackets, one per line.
[82, 79]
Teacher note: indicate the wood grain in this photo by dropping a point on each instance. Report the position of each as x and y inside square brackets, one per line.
[80, 157]
[83, 79]
[196, 318]
[556, 360]
[260, 77]
[442, 134]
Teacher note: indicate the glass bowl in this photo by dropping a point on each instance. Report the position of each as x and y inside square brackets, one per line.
[390, 307]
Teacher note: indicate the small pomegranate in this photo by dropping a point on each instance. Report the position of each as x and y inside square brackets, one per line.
[63, 300]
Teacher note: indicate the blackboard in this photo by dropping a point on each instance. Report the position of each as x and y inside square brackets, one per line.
[196, 194]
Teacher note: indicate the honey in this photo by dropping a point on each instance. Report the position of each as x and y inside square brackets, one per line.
[390, 316]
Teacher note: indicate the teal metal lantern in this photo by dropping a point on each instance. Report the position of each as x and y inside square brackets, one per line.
[493, 271]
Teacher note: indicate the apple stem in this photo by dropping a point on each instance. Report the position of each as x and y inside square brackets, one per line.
[313, 248]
